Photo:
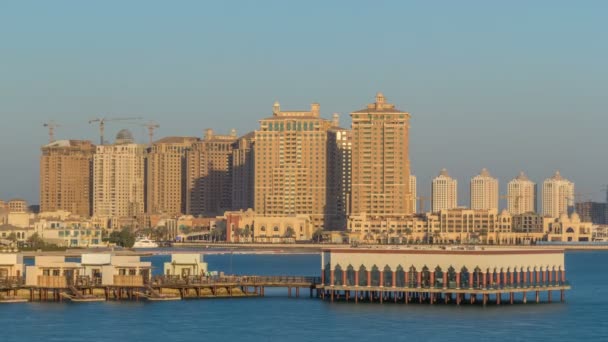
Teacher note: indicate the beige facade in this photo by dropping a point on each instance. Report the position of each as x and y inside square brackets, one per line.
[51, 272]
[380, 161]
[569, 229]
[273, 229]
[243, 169]
[521, 195]
[115, 270]
[558, 196]
[185, 265]
[17, 205]
[11, 265]
[166, 175]
[291, 165]
[484, 191]
[414, 193]
[118, 178]
[66, 178]
[208, 175]
[444, 192]
[339, 161]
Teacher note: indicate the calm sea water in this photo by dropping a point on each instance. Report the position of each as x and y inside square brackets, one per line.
[278, 318]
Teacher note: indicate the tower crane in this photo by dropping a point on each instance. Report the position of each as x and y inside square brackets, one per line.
[151, 126]
[518, 197]
[102, 124]
[51, 125]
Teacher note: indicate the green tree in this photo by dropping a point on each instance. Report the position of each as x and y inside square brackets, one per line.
[123, 238]
[12, 237]
[35, 241]
[289, 233]
[185, 229]
[317, 236]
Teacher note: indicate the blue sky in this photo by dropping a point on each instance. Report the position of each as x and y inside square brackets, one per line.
[513, 85]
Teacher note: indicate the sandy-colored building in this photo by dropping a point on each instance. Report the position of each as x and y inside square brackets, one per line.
[484, 191]
[569, 229]
[116, 270]
[166, 175]
[52, 272]
[118, 189]
[185, 265]
[11, 265]
[380, 160]
[521, 195]
[243, 170]
[66, 179]
[339, 161]
[70, 231]
[414, 192]
[291, 164]
[558, 196]
[17, 205]
[247, 226]
[12, 233]
[208, 174]
[444, 192]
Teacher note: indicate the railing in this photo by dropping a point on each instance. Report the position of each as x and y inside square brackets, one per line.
[129, 280]
[86, 281]
[52, 281]
[523, 285]
[235, 280]
[11, 282]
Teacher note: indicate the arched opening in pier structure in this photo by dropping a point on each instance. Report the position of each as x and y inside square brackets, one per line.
[451, 277]
[363, 276]
[350, 276]
[338, 275]
[413, 277]
[438, 278]
[425, 277]
[400, 277]
[465, 280]
[327, 274]
[477, 278]
[387, 275]
[375, 276]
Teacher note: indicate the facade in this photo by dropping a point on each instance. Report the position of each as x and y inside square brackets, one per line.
[594, 212]
[185, 265]
[339, 161]
[115, 270]
[569, 229]
[248, 226]
[291, 165]
[558, 196]
[209, 175]
[70, 232]
[521, 195]
[51, 272]
[484, 191]
[380, 161]
[166, 175]
[17, 205]
[118, 178]
[66, 179]
[10, 234]
[11, 265]
[414, 193]
[243, 172]
[444, 192]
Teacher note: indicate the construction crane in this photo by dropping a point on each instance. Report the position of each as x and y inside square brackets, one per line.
[51, 125]
[102, 124]
[151, 126]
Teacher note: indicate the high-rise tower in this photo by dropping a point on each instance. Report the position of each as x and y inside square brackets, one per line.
[380, 161]
[444, 192]
[484, 191]
[558, 195]
[521, 195]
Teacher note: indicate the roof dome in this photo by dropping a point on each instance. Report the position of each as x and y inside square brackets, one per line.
[124, 136]
[575, 217]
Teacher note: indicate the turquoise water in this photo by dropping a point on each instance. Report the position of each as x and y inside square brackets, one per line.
[278, 318]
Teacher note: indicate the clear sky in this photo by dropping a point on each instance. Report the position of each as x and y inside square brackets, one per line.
[507, 85]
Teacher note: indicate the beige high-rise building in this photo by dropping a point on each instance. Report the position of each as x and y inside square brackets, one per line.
[118, 178]
[413, 193]
[166, 175]
[484, 191]
[558, 195]
[521, 195]
[291, 164]
[339, 154]
[66, 179]
[380, 161]
[444, 192]
[209, 177]
[243, 172]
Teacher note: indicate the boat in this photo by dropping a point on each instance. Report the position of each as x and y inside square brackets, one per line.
[145, 243]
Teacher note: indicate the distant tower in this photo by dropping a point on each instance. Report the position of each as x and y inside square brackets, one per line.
[484, 191]
[444, 192]
[558, 196]
[521, 195]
